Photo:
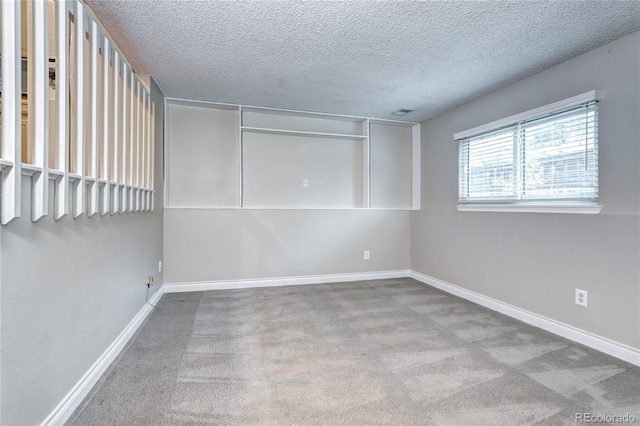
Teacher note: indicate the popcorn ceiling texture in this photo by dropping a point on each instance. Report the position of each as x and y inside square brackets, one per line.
[359, 58]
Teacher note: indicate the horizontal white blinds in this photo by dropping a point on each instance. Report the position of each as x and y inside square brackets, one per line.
[549, 158]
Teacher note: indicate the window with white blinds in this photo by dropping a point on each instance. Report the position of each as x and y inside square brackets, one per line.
[550, 158]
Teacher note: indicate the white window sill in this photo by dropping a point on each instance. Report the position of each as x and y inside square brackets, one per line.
[532, 208]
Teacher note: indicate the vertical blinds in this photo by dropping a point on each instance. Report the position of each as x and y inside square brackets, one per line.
[548, 158]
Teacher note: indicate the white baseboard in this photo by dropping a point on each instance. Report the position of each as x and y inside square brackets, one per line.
[72, 400]
[602, 344]
[277, 282]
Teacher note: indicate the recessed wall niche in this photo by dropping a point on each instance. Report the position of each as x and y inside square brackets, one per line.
[233, 156]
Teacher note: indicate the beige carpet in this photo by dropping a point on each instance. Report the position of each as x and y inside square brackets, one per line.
[372, 352]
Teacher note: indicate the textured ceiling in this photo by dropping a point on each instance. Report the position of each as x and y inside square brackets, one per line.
[365, 58]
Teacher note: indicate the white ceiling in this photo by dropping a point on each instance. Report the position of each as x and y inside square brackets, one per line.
[365, 58]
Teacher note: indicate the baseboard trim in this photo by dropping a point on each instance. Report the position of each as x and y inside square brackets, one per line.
[72, 400]
[75, 396]
[282, 281]
[599, 343]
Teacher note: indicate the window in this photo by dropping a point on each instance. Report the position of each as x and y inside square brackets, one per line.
[542, 160]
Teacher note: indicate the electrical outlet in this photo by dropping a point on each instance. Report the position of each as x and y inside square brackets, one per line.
[305, 183]
[581, 297]
[149, 281]
[159, 265]
[367, 255]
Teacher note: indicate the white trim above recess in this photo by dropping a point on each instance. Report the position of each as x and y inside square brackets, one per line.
[302, 133]
[298, 113]
[216, 105]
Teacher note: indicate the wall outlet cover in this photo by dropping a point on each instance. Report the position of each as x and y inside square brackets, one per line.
[581, 297]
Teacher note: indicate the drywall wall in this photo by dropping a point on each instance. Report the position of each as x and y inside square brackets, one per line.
[69, 288]
[313, 230]
[203, 147]
[279, 163]
[275, 166]
[535, 261]
[293, 121]
[390, 155]
[210, 245]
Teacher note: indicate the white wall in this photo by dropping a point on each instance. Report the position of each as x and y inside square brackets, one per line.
[535, 261]
[210, 245]
[69, 288]
[390, 151]
[274, 167]
[203, 171]
[317, 230]
[227, 156]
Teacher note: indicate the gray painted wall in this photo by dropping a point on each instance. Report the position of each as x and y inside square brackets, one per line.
[535, 261]
[209, 245]
[69, 288]
[202, 143]
[292, 121]
[390, 153]
[274, 167]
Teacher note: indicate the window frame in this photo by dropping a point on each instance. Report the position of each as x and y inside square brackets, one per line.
[509, 203]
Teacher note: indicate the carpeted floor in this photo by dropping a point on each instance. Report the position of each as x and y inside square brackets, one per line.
[365, 353]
